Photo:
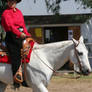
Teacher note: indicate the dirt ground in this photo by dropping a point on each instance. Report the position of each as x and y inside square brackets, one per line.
[59, 84]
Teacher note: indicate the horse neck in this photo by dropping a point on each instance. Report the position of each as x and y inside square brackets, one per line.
[57, 54]
[61, 56]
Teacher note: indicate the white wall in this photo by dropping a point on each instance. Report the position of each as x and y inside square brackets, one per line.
[86, 31]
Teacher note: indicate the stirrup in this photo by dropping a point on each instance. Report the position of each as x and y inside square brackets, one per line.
[18, 78]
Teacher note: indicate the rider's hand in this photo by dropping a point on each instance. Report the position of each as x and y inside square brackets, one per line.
[23, 35]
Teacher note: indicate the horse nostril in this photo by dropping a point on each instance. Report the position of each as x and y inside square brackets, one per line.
[87, 71]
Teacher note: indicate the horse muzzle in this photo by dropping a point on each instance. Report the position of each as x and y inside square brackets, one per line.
[85, 72]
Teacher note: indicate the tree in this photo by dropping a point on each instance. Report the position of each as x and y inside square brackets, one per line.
[2, 6]
[85, 3]
[54, 5]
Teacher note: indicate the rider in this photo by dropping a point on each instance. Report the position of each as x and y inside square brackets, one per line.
[13, 23]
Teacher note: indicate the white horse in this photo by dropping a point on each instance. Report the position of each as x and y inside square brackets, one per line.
[46, 58]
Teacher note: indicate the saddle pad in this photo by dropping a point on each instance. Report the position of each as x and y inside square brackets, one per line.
[6, 59]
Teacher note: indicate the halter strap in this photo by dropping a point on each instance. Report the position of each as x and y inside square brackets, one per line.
[80, 67]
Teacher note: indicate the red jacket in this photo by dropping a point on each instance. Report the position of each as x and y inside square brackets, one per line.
[12, 20]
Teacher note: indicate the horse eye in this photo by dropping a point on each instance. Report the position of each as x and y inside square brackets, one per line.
[80, 53]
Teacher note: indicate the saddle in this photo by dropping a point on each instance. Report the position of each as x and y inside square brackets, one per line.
[24, 53]
[3, 54]
[26, 47]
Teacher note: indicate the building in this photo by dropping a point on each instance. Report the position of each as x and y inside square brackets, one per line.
[46, 27]
[52, 28]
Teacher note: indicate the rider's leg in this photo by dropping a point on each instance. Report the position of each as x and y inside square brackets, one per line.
[15, 56]
[14, 47]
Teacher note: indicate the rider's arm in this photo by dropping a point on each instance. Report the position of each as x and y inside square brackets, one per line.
[8, 25]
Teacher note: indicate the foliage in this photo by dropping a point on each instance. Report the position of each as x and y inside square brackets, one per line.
[85, 3]
[2, 6]
[54, 5]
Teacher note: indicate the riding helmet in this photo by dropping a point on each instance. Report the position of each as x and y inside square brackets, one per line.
[12, 0]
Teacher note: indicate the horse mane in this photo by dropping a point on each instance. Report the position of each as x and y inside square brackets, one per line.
[60, 44]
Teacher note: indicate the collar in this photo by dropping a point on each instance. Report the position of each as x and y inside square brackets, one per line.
[12, 9]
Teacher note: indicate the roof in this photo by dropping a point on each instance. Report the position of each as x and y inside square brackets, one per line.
[57, 19]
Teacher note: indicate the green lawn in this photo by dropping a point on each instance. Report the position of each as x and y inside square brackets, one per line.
[70, 77]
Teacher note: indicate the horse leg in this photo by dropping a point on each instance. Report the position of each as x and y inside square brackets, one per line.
[39, 88]
[2, 87]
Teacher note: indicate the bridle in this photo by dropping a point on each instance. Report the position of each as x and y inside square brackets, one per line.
[55, 72]
[76, 53]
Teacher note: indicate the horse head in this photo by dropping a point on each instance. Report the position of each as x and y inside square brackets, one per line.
[79, 56]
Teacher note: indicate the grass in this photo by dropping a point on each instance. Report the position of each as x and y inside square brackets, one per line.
[71, 77]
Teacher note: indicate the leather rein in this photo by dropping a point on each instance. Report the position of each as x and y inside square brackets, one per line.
[76, 53]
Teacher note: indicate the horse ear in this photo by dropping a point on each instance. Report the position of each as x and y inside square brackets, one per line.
[81, 39]
[74, 41]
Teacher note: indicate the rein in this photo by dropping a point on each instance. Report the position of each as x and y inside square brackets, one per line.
[80, 67]
[44, 62]
[75, 77]
[76, 53]
[25, 51]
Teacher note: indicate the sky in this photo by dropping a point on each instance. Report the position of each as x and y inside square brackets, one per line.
[28, 7]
